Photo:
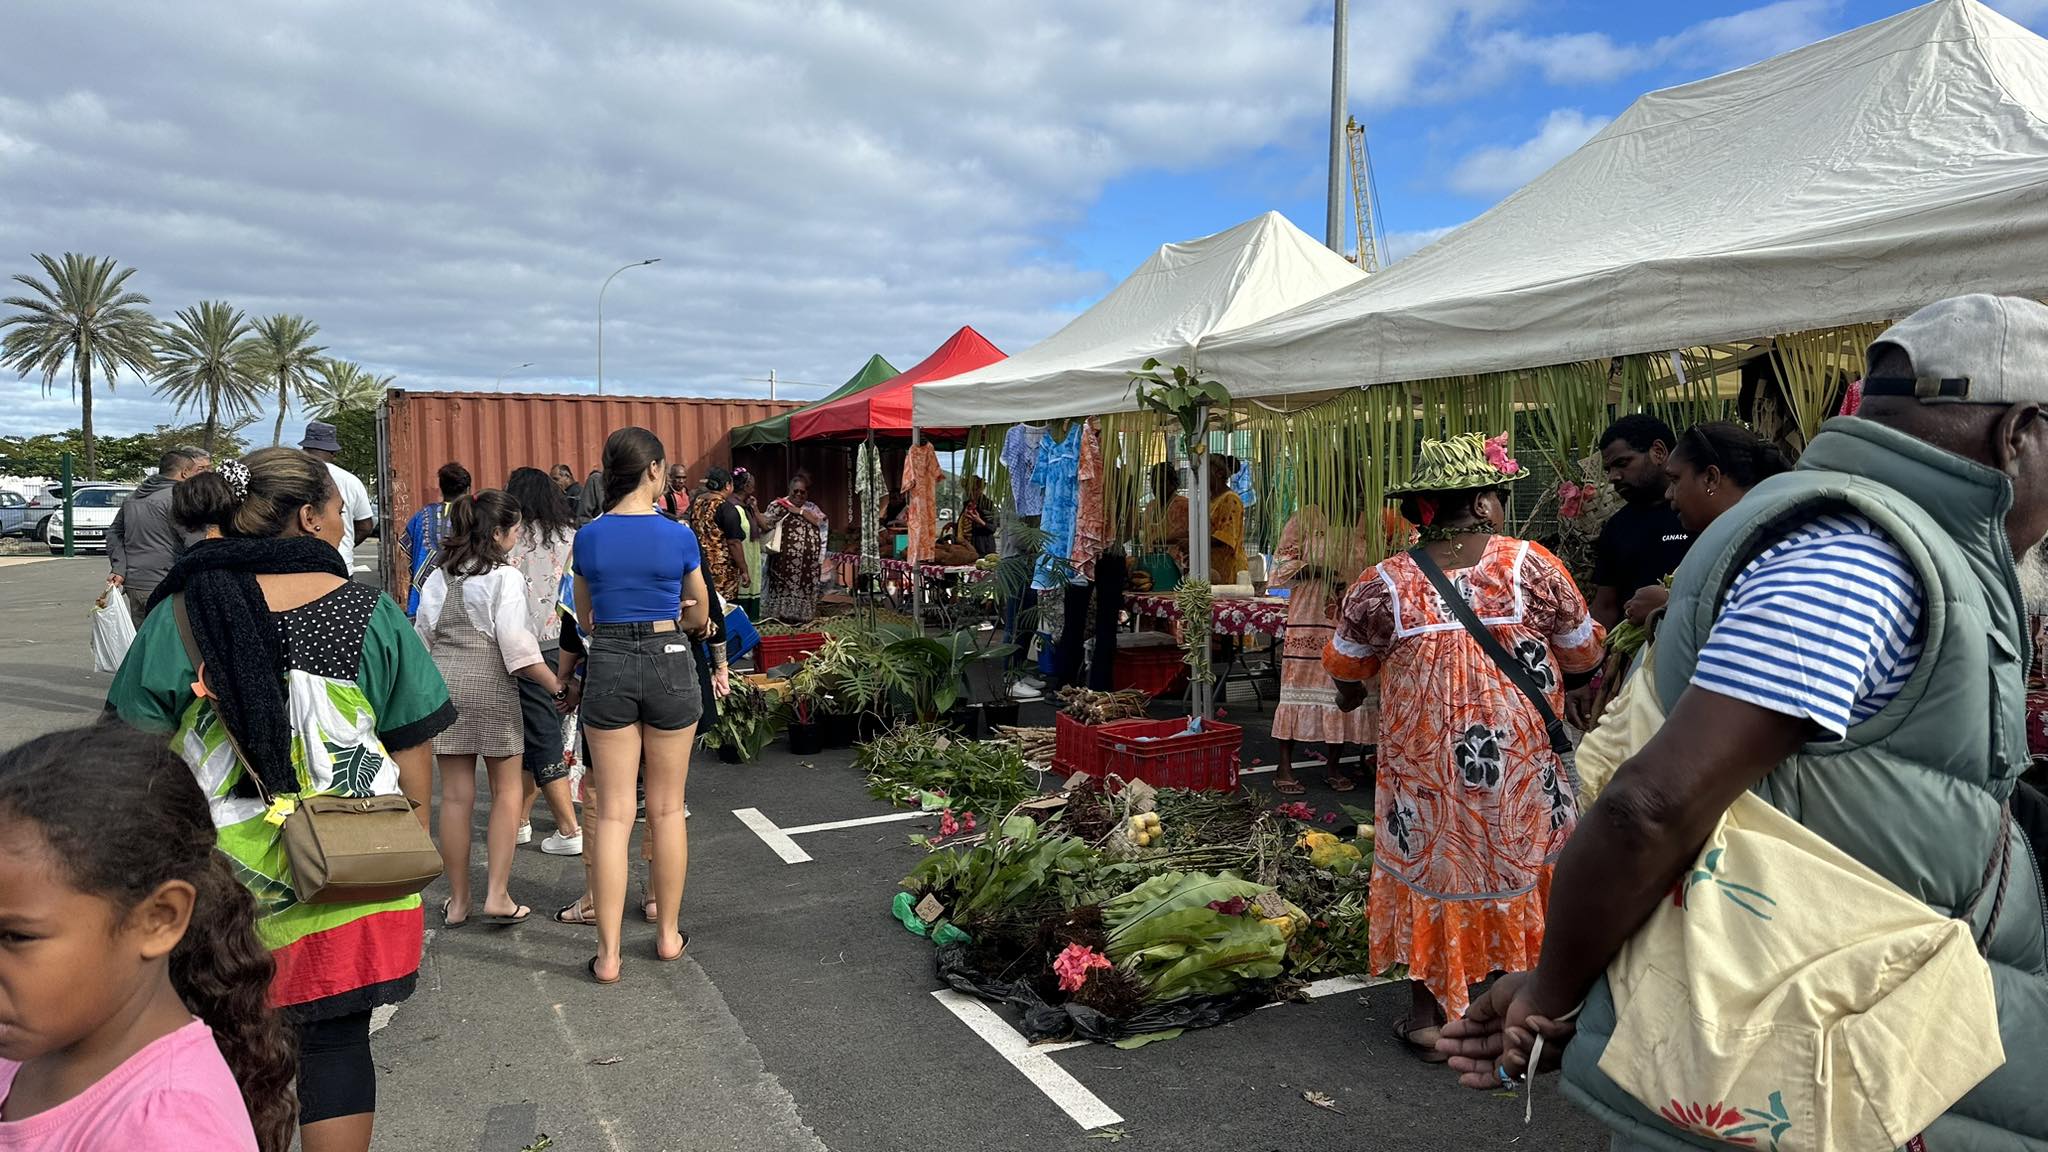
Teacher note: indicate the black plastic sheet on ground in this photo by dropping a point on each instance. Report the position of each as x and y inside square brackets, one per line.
[1044, 1022]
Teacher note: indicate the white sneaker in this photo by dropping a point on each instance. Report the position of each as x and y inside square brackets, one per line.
[1022, 691]
[556, 844]
[525, 834]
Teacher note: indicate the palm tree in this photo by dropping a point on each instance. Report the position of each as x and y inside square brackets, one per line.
[204, 359]
[344, 386]
[81, 315]
[287, 357]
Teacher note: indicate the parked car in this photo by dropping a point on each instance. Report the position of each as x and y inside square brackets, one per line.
[14, 515]
[92, 513]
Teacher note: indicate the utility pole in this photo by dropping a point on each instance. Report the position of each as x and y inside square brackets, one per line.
[771, 383]
[1333, 231]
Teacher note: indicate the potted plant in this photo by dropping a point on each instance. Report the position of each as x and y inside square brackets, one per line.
[748, 720]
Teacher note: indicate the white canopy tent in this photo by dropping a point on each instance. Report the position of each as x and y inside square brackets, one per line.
[1176, 299]
[1849, 181]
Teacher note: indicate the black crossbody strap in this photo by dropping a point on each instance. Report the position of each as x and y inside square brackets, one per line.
[191, 642]
[1517, 675]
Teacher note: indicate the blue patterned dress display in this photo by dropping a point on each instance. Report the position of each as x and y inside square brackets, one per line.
[1058, 472]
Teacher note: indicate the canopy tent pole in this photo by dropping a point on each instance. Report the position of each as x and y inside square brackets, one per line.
[916, 565]
[1195, 476]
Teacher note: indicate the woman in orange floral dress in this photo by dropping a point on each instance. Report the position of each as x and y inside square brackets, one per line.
[1472, 806]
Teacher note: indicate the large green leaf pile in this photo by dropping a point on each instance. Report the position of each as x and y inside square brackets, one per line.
[1016, 869]
[1165, 932]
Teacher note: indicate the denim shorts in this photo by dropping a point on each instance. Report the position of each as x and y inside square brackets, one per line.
[635, 675]
[543, 724]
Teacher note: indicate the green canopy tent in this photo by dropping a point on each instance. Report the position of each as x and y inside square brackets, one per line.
[775, 429]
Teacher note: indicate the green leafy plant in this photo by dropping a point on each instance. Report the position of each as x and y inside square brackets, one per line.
[1181, 396]
[1015, 868]
[989, 777]
[748, 719]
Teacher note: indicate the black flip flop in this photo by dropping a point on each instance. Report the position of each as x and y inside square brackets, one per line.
[446, 923]
[501, 920]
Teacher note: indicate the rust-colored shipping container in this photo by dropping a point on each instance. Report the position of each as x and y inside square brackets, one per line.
[493, 433]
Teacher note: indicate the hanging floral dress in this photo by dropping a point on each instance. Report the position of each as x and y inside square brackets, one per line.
[1314, 569]
[921, 484]
[1471, 805]
[1058, 471]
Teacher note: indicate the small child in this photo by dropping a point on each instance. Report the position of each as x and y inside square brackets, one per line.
[119, 923]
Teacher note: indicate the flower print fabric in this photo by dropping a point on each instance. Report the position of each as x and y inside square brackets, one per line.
[1058, 471]
[1472, 805]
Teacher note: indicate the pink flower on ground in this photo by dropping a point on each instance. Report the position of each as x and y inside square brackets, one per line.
[1234, 906]
[970, 822]
[1329, 817]
[947, 825]
[1074, 964]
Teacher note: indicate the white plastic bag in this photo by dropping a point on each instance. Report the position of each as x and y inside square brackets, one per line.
[112, 631]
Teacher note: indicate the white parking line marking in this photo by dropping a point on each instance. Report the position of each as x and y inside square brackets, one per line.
[774, 837]
[1059, 1085]
[835, 825]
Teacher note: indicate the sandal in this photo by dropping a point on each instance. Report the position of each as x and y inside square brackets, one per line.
[1289, 787]
[578, 913]
[451, 925]
[507, 919]
[679, 951]
[1341, 783]
[646, 903]
[1421, 1040]
[595, 978]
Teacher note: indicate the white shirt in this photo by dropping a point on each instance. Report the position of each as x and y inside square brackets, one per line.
[496, 604]
[355, 505]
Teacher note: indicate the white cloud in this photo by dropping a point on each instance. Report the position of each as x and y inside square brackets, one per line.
[1492, 171]
[442, 187]
[1724, 42]
[1401, 245]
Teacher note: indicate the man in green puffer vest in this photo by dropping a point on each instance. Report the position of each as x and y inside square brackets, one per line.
[1849, 642]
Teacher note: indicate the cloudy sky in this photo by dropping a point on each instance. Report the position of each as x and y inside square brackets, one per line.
[442, 187]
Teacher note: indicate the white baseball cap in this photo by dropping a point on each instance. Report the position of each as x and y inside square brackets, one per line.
[1977, 349]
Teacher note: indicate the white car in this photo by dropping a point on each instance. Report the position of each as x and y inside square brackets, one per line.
[92, 512]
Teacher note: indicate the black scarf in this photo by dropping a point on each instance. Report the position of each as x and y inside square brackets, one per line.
[239, 643]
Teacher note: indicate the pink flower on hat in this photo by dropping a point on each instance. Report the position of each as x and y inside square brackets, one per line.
[1497, 455]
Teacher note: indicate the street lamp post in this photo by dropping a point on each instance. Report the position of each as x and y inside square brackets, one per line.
[514, 368]
[600, 316]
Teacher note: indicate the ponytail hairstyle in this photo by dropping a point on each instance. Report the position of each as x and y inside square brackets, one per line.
[203, 500]
[471, 546]
[269, 487]
[122, 817]
[628, 453]
[1744, 457]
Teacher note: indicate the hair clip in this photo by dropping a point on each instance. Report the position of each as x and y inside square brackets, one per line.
[236, 474]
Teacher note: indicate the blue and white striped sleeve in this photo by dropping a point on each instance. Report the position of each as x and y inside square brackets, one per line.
[1824, 625]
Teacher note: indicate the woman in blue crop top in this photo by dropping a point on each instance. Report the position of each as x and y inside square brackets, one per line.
[640, 597]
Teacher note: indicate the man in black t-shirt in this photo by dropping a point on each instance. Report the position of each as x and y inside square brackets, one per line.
[1643, 542]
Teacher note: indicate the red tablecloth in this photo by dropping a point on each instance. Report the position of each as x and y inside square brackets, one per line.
[931, 571]
[1228, 615]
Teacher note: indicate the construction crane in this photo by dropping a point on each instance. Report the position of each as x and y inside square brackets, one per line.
[1365, 200]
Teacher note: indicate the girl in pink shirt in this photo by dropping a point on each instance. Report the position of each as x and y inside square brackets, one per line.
[119, 924]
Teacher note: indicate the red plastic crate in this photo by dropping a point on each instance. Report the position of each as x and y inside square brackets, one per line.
[775, 651]
[1077, 747]
[1205, 761]
[1159, 670]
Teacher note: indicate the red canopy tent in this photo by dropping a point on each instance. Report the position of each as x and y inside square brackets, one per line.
[885, 408]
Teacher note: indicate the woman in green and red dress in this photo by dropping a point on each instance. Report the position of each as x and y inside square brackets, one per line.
[326, 690]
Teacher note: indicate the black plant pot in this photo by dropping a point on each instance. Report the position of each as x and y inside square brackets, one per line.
[976, 722]
[836, 730]
[730, 754]
[1004, 713]
[806, 739]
